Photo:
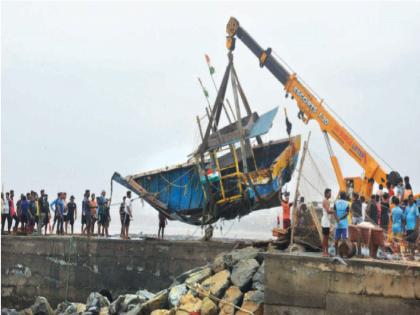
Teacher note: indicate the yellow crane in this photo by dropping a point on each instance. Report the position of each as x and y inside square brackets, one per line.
[311, 107]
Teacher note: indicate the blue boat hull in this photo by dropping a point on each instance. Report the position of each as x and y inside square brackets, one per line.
[178, 192]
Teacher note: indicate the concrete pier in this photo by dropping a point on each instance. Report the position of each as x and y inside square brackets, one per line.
[58, 266]
[303, 284]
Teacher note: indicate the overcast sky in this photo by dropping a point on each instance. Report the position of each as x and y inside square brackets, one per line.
[93, 88]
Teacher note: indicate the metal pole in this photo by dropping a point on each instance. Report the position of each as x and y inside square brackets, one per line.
[199, 128]
[238, 116]
[302, 160]
[223, 104]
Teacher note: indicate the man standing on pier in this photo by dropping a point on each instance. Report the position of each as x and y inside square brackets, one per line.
[411, 215]
[60, 212]
[128, 214]
[341, 208]
[122, 216]
[356, 209]
[325, 221]
[71, 213]
[86, 218]
[102, 216]
[54, 209]
[45, 211]
[163, 221]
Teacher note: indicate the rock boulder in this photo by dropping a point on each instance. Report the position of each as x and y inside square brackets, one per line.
[41, 307]
[159, 301]
[241, 254]
[242, 273]
[198, 276]
[95, 302]
[208, 307]
[233, 295]
[253, 302]
[217, 284]
[189, 304]
[258, 278]
[175, 294]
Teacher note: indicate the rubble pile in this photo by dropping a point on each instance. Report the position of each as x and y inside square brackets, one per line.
[231, 284]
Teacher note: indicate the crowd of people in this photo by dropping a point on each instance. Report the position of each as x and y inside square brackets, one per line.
[394, 209]
[35, 212]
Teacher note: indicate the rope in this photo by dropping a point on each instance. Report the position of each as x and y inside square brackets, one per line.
[224, 234]
[315, 156]
[172, 183]
[195, 231]
[308, 181]
[317, 170]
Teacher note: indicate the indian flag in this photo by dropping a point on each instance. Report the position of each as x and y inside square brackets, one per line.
[212, 175]
[211, 68]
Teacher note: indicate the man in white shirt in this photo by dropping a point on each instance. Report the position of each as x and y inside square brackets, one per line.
[325, 221]
[364, 206]
[128, 214]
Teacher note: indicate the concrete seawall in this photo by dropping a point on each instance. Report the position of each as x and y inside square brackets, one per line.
[315, 285]
[56, 267]
[72, 267]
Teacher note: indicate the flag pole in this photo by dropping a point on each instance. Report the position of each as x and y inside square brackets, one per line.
[206, 94]
[212, 71]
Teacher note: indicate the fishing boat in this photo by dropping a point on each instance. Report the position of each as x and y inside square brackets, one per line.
[232, 172]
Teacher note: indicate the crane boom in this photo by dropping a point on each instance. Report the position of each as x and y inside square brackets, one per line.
[311, 107]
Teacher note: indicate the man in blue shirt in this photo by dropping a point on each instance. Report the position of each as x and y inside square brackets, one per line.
[54, 209]
[101, 201]
[341, 208]
[24, 212]
[411, 215]
[60, 205]
[397, 216]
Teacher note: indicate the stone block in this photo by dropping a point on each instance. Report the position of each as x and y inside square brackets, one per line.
[232, 296]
